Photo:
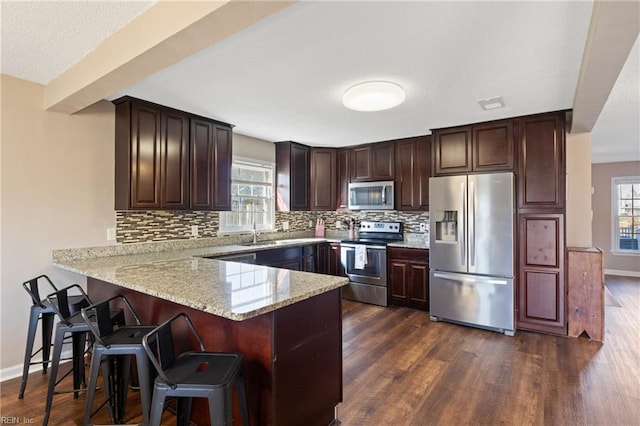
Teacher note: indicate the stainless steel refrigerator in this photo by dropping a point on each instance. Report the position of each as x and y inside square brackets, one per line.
[471, 253]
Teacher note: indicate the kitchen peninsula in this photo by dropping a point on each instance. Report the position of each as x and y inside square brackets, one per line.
[286, 324]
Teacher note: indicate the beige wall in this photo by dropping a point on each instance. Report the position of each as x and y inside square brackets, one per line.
[601, 175]
[257, 149]
[579, 190]
[57, 191]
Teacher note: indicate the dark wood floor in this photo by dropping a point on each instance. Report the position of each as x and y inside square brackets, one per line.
[402, 369]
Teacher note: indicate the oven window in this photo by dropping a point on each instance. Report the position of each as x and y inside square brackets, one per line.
[373, 267]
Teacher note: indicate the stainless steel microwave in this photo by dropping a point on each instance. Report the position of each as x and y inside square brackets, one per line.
[371, 195]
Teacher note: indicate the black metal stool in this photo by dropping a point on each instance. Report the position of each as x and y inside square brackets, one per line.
[193, 374]
[73, 324]
[115, 347]
[41, 310]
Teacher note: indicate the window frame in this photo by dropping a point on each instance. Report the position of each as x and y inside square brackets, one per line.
[224, 228]
[615, 228]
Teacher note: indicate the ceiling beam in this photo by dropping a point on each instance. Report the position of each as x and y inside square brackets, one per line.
[614, 28]
[163, 35]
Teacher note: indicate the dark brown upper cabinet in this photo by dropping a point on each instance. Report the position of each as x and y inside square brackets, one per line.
[372, 162]
[492, 146]
[452, 150]
[413, 169]
[481, 147]
[160, 163]
[323, 179]
[541, 168]
[211, 163]
[344, 175]
[292, 171]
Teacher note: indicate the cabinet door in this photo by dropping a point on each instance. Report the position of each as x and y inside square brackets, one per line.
[335, 265]
[493, 146]
[382, 161]
[299, 177]
[541, 167]
[202, 155]
[418, 292]
[423, 151]
[399, 281]
[344, 163]
[406, 166]
[210, 166]
[413, 169]
[145, 146]
[452, 149]
[361, 163]
[541, 286]
[323, 179]
[322, 259]
[222, 162]
[175, 161]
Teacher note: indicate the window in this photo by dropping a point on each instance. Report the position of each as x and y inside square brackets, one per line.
[626, 214]
[252, 197]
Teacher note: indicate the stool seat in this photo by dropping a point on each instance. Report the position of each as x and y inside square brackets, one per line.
[41, 310]
[113, 349]
[72, 324]
[193, 374]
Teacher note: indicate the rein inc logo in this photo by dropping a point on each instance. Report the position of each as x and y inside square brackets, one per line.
[13, 420]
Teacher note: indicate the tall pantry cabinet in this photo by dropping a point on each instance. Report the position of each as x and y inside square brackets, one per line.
[541, 215]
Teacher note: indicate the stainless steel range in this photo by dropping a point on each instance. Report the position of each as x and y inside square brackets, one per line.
[365, 262]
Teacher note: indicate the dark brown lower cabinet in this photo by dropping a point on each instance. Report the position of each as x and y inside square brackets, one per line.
[335, 265]
[408, 272]
[292, 356]
[541, 281]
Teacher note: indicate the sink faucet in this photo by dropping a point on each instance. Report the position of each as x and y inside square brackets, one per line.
[255, 234]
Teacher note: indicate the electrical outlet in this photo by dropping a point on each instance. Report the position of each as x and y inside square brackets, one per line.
[310, 223]
[194, 230]
[111, 234]
[285, 225]
[423, 227]
[338, 224]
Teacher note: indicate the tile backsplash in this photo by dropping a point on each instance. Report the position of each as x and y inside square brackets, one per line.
[163, 225]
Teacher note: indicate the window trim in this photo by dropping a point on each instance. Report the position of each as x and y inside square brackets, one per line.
[615, 181]
[237, 160]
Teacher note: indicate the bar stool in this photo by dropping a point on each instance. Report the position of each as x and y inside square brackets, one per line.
[193, 374]
[115, 346]
[41, 310]
[75, 325]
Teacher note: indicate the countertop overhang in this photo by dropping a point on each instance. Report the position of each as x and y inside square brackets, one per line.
[232, 290]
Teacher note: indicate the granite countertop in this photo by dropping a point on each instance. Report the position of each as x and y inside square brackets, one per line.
[232, 290]
[424, 245]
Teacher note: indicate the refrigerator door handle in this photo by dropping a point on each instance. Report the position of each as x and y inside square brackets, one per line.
[472, 225]
[469, 279]
[462, 227]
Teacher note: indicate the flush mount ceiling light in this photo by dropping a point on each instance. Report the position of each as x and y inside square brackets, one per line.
[373, 96]
[491, 103]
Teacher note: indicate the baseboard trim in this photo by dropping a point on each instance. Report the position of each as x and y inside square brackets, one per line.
[9, 373]
[622, 273]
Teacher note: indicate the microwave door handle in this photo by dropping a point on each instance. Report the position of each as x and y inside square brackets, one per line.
[384, 191]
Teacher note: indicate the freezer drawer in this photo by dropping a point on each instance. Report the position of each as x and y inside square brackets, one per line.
[486, 302]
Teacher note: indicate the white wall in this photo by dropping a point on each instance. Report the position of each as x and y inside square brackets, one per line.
[57, 177]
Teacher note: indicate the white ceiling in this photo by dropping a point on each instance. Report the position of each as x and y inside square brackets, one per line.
[283, 78]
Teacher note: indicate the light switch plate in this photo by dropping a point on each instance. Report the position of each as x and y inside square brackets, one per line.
[194, 230]
[111, 234]
[285, 225]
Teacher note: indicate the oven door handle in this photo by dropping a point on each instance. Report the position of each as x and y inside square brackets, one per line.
[366, 245]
